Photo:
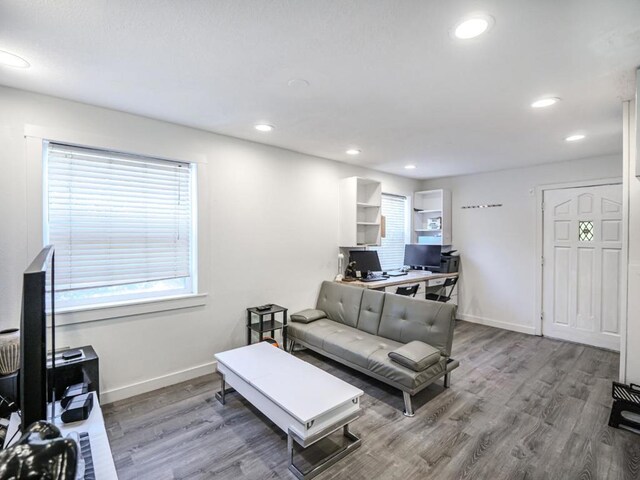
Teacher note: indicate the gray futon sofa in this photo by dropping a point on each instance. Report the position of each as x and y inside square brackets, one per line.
[403, 341]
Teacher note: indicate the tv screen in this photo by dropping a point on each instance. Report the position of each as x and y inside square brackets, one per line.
[37, 302]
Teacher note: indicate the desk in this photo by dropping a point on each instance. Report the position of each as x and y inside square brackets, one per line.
[413, 276]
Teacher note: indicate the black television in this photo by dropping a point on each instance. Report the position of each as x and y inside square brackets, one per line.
[37, 302]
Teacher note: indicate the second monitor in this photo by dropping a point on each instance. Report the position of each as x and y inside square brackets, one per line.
[366, 260]
[423, 256]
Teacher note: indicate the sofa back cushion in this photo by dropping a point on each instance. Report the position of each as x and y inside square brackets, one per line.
[405, 319]
[370, 311]
[340, 302]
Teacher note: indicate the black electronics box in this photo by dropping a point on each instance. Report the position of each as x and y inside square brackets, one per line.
[79, 408]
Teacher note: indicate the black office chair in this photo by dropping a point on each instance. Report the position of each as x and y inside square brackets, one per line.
[408, 291]
[441, 294]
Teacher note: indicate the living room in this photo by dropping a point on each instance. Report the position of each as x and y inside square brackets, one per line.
[393, 85]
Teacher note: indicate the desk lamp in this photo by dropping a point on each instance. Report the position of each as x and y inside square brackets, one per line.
[339, 276]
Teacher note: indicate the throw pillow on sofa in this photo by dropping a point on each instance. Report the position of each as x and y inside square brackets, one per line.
[307, 316]
[415, 355]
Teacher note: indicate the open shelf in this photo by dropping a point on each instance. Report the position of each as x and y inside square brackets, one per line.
[432, 208]
[267, 326]
[360, 212]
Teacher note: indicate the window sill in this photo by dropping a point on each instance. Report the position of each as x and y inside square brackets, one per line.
[91, 313]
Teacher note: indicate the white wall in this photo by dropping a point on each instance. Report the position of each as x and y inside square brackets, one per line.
[270, 220]
[632, 190]
[498, 245]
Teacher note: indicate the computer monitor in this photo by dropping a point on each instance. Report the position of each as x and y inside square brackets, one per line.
[414, 255]
[422, 255]
[366, 260]
[434, 252]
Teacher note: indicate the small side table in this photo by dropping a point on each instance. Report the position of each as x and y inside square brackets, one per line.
[270, 325]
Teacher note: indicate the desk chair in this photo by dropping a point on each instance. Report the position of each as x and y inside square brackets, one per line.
[441, 295]
[408, 291]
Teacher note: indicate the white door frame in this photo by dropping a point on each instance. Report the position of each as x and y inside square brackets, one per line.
[539, 251]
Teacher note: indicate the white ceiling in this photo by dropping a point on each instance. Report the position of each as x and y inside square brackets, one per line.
[384, 76]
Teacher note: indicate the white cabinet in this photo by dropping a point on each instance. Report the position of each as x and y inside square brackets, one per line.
[360, 217]
[432, 217]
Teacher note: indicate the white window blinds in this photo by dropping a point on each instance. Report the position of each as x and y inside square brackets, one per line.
[121, 224]
[391, 251]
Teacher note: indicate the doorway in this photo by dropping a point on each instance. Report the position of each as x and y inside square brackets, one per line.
[582, 264]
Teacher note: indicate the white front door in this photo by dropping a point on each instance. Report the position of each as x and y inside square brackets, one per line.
[582, 261]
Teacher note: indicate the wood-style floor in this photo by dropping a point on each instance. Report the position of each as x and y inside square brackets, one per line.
[520, 407]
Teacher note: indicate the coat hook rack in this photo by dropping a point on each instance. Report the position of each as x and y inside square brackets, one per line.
[491, 205]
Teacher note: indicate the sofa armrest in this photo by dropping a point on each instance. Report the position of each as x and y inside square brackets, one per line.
[415, 355]
[307, 316]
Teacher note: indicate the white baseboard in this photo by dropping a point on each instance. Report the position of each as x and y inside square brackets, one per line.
[515, 327]
[145, 386]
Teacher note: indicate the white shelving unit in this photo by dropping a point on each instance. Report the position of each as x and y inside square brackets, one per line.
[360, 217]
[432, 217]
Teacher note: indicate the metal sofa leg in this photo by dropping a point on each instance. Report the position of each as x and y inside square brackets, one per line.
[408, 408]
[290, 347]
[447, 380]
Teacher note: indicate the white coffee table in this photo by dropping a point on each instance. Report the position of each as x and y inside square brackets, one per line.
[304, 401]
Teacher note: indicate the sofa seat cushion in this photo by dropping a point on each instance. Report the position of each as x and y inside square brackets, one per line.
[313, 333]
[356, 346]
[381, 364]
[307, 316]
[350, 344]
[415, 355]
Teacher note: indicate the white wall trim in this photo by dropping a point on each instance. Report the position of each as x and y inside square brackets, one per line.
[624, 282]
[164, 149]
[514, 327]
[540, 189]
[120, 393]
[92, 313]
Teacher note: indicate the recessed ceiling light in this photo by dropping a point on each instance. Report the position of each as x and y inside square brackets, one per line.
[298, 83]
[264, 127]
[545, 102]
[409, 167]
[574, 138]
[353, 151]
[473, 26]
[10, 60]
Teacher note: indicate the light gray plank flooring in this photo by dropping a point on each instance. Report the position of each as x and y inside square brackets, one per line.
[520, 407]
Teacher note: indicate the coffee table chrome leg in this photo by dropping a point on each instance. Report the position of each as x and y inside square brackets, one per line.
[328, 461]
[221, 395]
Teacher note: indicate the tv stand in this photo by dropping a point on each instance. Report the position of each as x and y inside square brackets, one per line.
[103, 465]
[85, 369]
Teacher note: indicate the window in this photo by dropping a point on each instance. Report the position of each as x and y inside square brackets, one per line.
[585, 231]
[122, 225]
[391, 251]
